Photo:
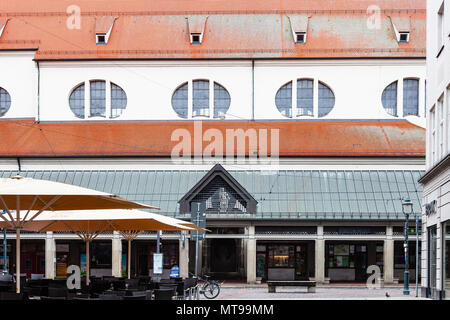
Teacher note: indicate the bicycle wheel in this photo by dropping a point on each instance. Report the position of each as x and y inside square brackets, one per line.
[211, 290]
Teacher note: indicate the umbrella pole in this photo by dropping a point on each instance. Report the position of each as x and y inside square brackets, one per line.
[87, 262]
[129, 258]
[18, 260]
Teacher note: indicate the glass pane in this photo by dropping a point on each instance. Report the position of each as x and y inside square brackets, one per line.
[118, 101]
[389, 99]
[5, 101]
[180, 101]
[76, 101]
[98, 99]
[283, 100]
[410, 97]
[200, 98]
[221, 101]
[326, 100]
[305, 97]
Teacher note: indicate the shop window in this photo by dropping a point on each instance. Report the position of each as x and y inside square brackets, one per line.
[432, 257]
[281, 257]
[447, 258]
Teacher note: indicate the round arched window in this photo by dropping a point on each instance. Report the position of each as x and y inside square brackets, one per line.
[326, 100]
[221, 99]
[97, 105]
[389, 99]
[304, 89]
[410, 103]
[5, 101]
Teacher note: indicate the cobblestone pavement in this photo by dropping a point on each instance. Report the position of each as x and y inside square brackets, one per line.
[342, 293]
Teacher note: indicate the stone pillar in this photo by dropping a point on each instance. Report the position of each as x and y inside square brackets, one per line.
[251, 255]
[320, 256]
[50, 256]
[116, 255]
[388, 257]
[184, 256]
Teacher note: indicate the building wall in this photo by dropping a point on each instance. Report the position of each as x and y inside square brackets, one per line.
[437, 186]
[19, 76]
[149, 85]
[438, 80]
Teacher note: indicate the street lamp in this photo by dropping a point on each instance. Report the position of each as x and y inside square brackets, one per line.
[407, 207]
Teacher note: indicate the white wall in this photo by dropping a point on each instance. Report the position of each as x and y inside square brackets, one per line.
[18, 76]
[149, 85]
[438, 73]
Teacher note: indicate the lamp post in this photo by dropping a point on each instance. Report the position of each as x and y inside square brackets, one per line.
[407, 210]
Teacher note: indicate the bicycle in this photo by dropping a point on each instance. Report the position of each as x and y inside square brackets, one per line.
[209, 288]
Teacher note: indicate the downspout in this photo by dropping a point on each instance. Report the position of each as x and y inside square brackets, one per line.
[253, 89]
[38, 94]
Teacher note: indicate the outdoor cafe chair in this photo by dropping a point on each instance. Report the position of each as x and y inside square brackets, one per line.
[11, 296]
[6, 277]
[164, 294]
[137, 297]
[110, 297]
[132, 283]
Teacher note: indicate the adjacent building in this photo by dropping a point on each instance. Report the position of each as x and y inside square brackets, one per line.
[436, 181]
[300, 127]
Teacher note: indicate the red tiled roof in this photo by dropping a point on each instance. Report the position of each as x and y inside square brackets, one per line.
[296, 138]
[158, 29]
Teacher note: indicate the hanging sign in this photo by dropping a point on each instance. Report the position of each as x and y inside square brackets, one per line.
[157, 263]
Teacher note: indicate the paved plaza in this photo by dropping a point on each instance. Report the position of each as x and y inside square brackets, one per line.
[236, 292]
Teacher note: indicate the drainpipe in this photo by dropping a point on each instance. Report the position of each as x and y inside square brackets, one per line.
[38, 94]
[253, 89]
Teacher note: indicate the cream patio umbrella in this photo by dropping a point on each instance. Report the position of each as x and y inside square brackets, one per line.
[88, 224]
[35, 196]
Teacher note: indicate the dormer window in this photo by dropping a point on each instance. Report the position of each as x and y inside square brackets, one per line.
[101, 39]
[103, 28]
[3, 22]
[300, 37]
[196, 28]
[299, 27]
[402, 28]
[196, 38]
[404, 37]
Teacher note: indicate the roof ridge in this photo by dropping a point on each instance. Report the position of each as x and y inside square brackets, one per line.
[211, 12]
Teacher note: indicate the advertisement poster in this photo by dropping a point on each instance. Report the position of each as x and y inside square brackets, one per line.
[157, 263]
[61, 265]
[83, 264]
[341, 249]
[124, 264]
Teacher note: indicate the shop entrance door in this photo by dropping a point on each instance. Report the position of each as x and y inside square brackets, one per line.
[361, 263]
[223, 256]
[143, 265]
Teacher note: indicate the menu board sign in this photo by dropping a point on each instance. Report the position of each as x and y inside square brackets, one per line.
[157, 263]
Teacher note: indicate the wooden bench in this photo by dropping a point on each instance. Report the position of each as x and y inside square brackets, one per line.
[311, 285]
